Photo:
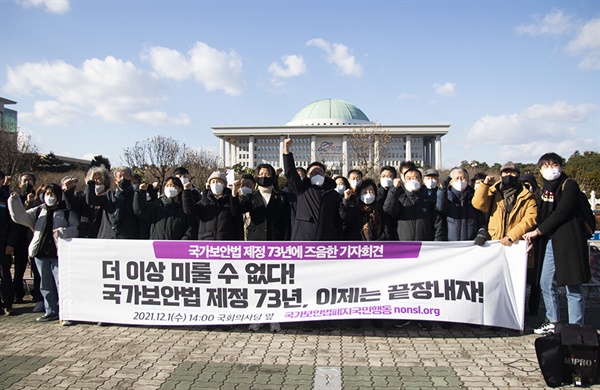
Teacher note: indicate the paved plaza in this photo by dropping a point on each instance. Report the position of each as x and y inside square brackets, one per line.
[88, 356]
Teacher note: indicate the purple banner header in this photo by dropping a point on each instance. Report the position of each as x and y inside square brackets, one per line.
[285, 250]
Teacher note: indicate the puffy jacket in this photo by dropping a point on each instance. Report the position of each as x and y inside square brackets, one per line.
[416, 214]
[118, 218]
[167, 219]
[218, 218]
[35, 219]
[519, 221]
[462, 219]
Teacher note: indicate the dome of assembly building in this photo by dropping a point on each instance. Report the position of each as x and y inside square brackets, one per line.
[329, 112]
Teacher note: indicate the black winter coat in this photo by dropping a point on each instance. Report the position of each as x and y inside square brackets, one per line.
[270, 223]
[566, 230]
[167, 219]
[8, 228]
[218, 218]
[318, 208]
[463, 221]
[418, 219]
[118, 219]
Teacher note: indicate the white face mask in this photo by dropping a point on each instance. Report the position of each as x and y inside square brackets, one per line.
[459, 185]
[367, 198]
[430, 183]
[148, 197]
[184, 180]
[476, 186]
[171, 192]
[354, 183]
[42, 197]
[341, 189]
[217, 188]
[412, 185]
[551, 173]
[386, 182]
[49, 200]
[317, 180]
[134, 186]
[99, 188]
[246, 190]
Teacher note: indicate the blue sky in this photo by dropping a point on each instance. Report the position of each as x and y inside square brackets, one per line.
[514, 79]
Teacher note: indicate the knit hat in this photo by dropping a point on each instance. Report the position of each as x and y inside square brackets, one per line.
[217, 175]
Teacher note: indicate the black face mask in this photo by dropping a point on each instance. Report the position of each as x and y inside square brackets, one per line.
[28, 189]
[124, 184]
[265, 181]
[510, 181]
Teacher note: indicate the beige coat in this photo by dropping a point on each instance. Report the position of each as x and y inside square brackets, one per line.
[521, 219]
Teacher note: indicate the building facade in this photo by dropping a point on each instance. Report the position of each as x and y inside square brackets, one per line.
[323, 131]
[8, 120]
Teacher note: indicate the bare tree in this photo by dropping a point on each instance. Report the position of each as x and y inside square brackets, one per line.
[17, 154]
[200, 163]
[369, 145]
[155, 157]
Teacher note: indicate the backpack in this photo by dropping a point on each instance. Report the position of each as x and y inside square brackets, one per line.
[569, 356]
[585, 213]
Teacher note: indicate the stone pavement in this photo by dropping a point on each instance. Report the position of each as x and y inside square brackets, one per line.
[87, 356]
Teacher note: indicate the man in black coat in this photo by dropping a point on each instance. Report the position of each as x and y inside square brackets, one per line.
[318, 208]
[8, 240]
[118, 219]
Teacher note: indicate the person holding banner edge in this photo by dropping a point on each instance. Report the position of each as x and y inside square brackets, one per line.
[563, 250]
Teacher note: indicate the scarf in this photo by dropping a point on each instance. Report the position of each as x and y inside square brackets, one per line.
[509, 194]
[548, 196]
[371, 221]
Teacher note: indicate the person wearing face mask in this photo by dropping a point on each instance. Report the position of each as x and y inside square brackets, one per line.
[430, 182]
[317, 214]
[462, 220]
[563, 244]
[217, 211]
[165, 217]
[511, 207]
[365, 220]
[354, 178]
[416, 215]
[269, 214]
[118, 219]
[247, 188]
[387, 175]
[49, 222]
[184, 175]
[341, 185]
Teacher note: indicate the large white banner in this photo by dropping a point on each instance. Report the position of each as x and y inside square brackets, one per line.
[213, 283]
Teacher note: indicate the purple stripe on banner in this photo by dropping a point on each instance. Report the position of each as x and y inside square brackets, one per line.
[285, 250]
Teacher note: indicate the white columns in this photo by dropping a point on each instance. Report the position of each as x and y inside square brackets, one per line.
[222, 151]
[438, 152]
[313, 148]
[251, 151]
[281, 139]
[408, 148]
[344, 155]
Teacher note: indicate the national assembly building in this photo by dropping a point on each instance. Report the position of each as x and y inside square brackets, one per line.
[321, 131]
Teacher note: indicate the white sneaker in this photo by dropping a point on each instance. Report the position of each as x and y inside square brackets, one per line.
[275, 327]
[254, 327]
[546, 328]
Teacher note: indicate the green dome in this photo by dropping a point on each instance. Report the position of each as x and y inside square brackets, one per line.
[329, 112]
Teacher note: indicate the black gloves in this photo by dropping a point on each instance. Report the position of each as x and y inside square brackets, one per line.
[446, 182]
[482, 237]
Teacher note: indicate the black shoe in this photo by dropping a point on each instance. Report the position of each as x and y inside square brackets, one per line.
[47, 317]
[402, 324]
[19, 300]
[425, 325]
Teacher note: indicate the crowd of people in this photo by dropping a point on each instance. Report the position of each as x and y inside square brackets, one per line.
[403, 205]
